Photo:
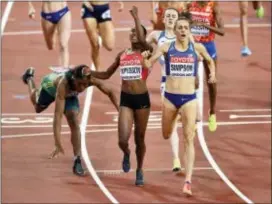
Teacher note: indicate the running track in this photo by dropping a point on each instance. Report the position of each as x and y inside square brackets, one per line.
[241, 145]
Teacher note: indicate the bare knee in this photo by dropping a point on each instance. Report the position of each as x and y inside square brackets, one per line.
[72, 120]
[189, 136]
[122, 142]
[139, 139]
[243, 9]
[95, 46]
[63, 47]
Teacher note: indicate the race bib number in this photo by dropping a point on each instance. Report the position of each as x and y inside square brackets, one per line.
[106, 14]
[131, 72]
[182, 70]
[200, 31]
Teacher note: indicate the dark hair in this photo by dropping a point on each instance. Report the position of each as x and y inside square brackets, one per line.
[75, 73]
[78, 71]
[184, 16]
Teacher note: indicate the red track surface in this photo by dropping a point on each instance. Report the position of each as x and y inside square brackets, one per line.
[242, 151]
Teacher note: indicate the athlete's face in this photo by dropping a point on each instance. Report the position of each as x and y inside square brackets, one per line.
[133, 36]
[182, 30]
[81, 85]
[170, 18]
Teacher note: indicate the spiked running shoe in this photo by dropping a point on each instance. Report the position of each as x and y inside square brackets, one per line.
[260, 12]
[28, 74]
[212, 123]
[126, 163]
[139, 178]
[245, 51]
[176, 165]
[77, 168]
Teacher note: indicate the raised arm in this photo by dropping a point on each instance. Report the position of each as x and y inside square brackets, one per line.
[203, 52]
[106, 90]
[139, 29]
[109, 72]
[59, 109]
[154, 17]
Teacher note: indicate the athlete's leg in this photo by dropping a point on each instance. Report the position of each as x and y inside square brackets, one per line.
[141, 119]
[64, 32]
[73, 122]
[106, 30]
[49, 33]
[72, 113]
[90, 25]
[28, 78]
[243, 6]
[212, 89]
[169, 115]
[188, 118]
[125, 121]
[174, 141]
[257, 6]
[174, 138]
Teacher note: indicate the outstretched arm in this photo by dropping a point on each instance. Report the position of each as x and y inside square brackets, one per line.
[59, 109]
[203, 52]
[107, 91]
[109, 72]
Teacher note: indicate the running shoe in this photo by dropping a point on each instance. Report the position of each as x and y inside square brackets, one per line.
[77, 168]
[260, 12]
[245, 51]
[126, 163]
[28, 74]
[187, 188]
[139, 178]
[176, 165]
[212, 123]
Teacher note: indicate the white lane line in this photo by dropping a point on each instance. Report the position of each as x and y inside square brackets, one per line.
[125, 29]
[203, 143]
[150, 124]
[85, 155]
[246, 110]
[233, 116]
[120, 171]
[5, 16]
[149, 127]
